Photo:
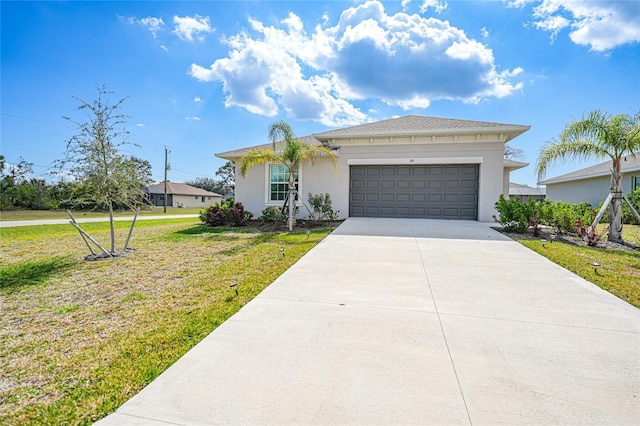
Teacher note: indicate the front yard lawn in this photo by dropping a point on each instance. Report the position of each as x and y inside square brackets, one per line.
[77, 339]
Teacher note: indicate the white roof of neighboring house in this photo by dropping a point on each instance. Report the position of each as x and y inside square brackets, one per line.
[628, 164]
[519, 189]
[175, 188]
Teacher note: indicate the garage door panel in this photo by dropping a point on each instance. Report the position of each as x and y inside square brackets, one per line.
[435, 191]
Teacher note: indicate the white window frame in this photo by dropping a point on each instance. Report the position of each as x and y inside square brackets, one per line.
[267, 186]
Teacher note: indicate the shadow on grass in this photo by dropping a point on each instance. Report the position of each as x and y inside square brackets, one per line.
[14, 276]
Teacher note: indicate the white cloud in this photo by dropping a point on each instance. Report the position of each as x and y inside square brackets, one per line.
[191, 27]
[519, 4]
[601, 25]
[163, 47]
[152, 24]
[197, 99]
[401, 59]
[437, 5]
[141, 125]
[484, 32]
[193, 118]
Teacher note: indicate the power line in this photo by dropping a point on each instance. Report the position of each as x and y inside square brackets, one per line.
[188, 173]
[35, 120]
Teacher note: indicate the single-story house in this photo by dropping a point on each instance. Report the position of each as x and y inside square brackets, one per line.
[412, 166]
[526, 193]
[593, 184]
[181, 195]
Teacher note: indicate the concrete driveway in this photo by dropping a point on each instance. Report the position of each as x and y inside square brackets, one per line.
[399, 321]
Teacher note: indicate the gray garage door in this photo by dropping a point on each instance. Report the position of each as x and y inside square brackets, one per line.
[435, 192]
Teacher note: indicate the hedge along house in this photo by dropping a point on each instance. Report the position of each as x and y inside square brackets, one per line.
[593, 184]
[413, 166]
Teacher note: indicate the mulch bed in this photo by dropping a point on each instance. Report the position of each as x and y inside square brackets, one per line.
[568, 238]
[300, 225]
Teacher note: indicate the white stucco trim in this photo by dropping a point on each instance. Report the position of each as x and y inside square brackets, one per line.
[413, 161]
[267, 186]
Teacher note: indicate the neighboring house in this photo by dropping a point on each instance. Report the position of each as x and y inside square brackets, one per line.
[526, 192]
[181, 195]
[413, 166]
[593, 184]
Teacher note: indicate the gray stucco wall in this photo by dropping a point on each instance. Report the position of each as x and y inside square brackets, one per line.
[320, 177]
[593, 191]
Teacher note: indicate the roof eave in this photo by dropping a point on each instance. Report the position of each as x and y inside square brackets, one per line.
[560, 179]
[512, 165]
[511, 131]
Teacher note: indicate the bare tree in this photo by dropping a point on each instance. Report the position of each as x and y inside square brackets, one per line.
[95, 159]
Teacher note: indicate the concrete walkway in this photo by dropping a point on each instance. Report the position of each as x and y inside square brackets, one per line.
[13, 223]
[398, 321]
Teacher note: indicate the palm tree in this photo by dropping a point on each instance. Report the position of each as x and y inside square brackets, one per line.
[291, 154]
[598, 135]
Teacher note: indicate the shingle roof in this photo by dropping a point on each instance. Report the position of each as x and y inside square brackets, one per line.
[519, 189]
[628, 164]
[237, 153]
[175, 188]
[408, 125]
[414, 124]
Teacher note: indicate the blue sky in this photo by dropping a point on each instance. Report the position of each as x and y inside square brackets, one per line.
[210, 76]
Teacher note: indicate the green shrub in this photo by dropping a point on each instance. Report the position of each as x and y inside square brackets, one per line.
[514, 216]
[273, 214]
[322, 209]
[227, 213]
[627, 214]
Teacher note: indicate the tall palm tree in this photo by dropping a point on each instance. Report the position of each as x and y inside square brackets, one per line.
[598, 135]
[291, 153]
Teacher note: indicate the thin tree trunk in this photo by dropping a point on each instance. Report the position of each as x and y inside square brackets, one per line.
[292, 199]
[113, 228]
[615, 213]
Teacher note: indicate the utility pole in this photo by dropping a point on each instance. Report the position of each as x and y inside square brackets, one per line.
[166, 168]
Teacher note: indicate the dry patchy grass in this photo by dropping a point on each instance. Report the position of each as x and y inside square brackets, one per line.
[60, 214]
[77, 338]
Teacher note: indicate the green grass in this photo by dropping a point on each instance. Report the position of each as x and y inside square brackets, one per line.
[619, 272]
[77, 339]
[61, 214]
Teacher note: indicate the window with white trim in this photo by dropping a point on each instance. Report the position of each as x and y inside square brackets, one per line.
[279, 182]
[635, 183]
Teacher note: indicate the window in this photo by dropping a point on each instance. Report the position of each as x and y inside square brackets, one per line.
[279, 182]
[203, 198]
[635, 183]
